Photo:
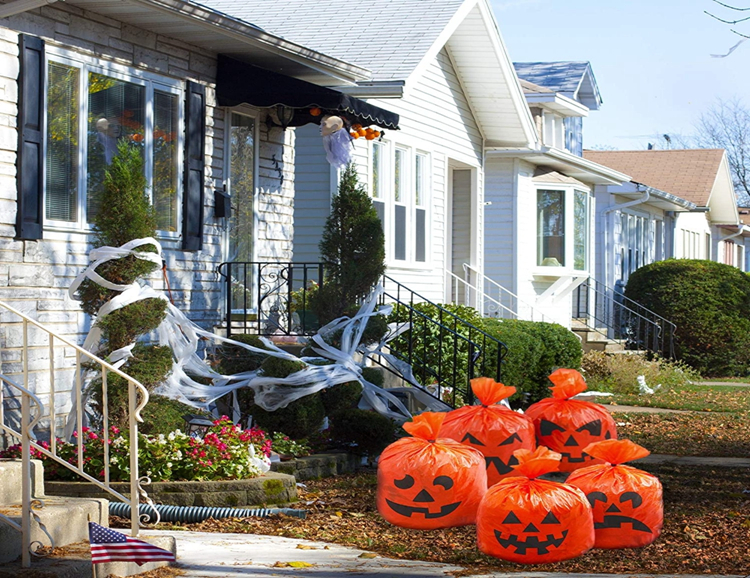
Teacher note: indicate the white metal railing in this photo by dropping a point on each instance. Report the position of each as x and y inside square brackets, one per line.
[28, 430]
[489, 297]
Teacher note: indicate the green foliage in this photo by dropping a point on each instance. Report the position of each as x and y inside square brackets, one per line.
[618, 373]
[352, 248]
[279, 367]
[121, 271]
[535, 349]
[232, 359]
[284, 445]
[341, 396]
[163, 415]
[370, 431]
[374, 375]
[299, 420]
[125, 212]
[710, 305]
[121, 327]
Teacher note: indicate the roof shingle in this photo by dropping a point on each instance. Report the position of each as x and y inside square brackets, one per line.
[689, 174]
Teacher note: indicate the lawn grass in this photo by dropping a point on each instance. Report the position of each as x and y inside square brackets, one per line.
[692, 397]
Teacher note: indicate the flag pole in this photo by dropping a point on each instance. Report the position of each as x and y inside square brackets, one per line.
[93, 566]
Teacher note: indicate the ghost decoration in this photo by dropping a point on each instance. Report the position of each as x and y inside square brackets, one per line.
[627, 502]
[493, 429]
[426, 482]
[336, 141]
[531, 521]
[568, 425]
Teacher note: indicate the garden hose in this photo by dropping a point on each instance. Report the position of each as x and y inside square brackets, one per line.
[199, 513]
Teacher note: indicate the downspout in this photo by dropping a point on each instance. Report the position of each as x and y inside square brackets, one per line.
[605, 216]
[19, 6]
[732, 236]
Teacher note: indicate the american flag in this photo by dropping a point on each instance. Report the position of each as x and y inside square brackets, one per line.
[110, 546]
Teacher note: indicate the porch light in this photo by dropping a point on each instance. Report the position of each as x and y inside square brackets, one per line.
[196, 425]
[284, 115]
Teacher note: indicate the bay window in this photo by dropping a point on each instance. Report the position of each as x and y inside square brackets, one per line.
[563, 224]
[90, 111]
[399, 187]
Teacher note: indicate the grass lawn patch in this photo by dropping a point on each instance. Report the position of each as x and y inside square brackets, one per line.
[690, 397]
[689, 434]
[707, 528]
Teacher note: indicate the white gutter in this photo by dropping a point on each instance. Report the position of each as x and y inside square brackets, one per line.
[605, 217]
[733, 235]
[19, 6]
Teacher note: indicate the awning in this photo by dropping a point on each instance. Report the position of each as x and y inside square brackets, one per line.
[238, 82]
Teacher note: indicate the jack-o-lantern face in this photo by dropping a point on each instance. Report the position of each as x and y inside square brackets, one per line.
[424, 498]
[498, 465]
[523, 538]
[570, 441]
[612, 515]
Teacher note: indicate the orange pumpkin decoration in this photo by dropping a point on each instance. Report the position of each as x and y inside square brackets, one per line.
[627, 502]
[495, 430]
[530, 521]
[354, 135]
[426, 482]
[315, 111]
[568, 425]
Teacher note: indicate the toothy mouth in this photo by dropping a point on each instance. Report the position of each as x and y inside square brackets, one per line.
[532, 542]
[409, 510]
[576, 460]
[612, 521]
[501, 467]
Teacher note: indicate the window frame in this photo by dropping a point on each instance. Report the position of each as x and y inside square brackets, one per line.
[569, 195]
[151, 82]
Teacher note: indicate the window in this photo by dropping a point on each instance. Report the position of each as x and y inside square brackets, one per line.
[90, 110]
[399, 186]
[636, 236]
[563, 223]
[241, 187]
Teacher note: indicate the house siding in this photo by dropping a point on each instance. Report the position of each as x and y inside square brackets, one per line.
[35, 275]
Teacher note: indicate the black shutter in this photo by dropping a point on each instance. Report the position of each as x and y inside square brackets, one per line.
[195, 135]
[30, 157]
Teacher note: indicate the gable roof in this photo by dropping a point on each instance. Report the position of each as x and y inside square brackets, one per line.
[572, 79]
[387, 38]
[689, 174]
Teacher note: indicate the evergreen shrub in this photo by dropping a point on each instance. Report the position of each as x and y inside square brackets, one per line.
[370, 431]
[341, 396]
[710, 305]
[232, 359]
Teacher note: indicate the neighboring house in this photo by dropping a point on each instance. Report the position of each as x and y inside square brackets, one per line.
[745, 219]
[679, 203]
[76, 77]
[540, 203]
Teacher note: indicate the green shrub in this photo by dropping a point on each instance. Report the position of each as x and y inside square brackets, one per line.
[374, 375]
[299, 420]
[123, 326]
[710, 305]
[618, 373]
[341, 396]
[535, 349]
[370, 431]
[232, 359]
[280, 367]
[163, 415]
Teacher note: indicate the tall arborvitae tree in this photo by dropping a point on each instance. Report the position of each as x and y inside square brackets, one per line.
[352, 248]
[124, 214]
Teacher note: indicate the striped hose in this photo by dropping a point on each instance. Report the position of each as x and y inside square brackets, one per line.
[200, 513]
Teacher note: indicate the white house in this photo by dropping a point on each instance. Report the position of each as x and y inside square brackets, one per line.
[679, 203]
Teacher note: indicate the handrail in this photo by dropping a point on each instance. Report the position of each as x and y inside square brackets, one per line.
[84, 361]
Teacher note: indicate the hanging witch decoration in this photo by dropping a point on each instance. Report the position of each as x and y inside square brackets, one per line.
[336, 141]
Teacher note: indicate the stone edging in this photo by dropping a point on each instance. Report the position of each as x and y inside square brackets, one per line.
[318, 466]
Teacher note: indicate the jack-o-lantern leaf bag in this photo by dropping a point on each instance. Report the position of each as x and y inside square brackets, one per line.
[530, 521]
[426, 482]
[495, 430]
[568, 425]
[627, 502]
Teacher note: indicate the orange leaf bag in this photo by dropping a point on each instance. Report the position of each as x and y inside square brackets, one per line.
[522, 519]
[568, 425]
[627, 502]
[426, 482]
[495, 430]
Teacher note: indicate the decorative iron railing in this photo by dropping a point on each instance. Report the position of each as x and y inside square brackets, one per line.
[609, 313]
[47, 359]
[266, 298]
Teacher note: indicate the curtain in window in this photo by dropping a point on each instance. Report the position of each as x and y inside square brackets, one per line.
[165, 172]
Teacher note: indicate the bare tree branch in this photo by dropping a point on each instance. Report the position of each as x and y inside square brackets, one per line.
[731, 7]
[726, 21]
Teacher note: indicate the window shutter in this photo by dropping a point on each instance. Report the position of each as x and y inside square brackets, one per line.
[30, 157]
[195, 134]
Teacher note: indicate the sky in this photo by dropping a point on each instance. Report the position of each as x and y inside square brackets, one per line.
[651, 59]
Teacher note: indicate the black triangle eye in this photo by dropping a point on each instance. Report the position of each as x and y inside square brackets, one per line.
[404, 483]
[444, 481]
[511, 518]
[550, 519]
[632, 497]
[593, 427]
[546, 427]
[514, 438]
[471, 439]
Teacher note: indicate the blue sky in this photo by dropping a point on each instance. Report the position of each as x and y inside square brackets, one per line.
[651, 58]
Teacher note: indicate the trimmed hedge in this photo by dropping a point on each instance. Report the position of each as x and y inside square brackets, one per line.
[535, 349]
[710, 304]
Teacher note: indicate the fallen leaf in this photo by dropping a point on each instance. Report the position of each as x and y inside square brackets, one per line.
[367, 555]
[305, 547]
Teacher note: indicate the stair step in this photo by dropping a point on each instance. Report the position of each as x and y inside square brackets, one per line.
[66, 520]
[11, 481]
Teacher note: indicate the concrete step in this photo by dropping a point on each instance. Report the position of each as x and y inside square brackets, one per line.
[66, 520]
[11, 481]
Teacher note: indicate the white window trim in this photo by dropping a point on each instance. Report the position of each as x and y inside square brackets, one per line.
[387, 197]
[569, 196]
[149, 81]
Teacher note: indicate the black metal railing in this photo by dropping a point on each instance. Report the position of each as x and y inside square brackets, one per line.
[608, 312]
[444, 350]
[267, 298]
